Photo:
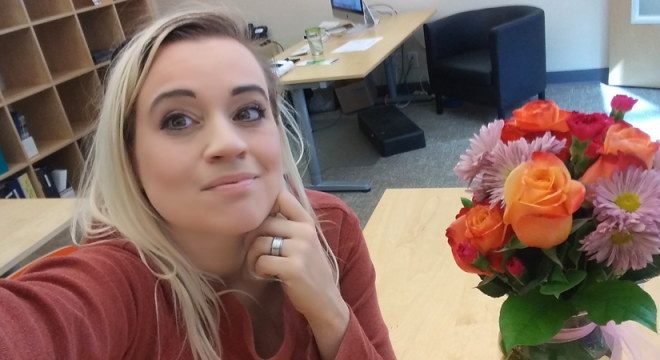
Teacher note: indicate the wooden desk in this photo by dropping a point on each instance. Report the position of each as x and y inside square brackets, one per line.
[431, 307]
[25, 225]
[356, 65]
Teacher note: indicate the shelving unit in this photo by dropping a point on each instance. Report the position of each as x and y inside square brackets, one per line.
[50, 78]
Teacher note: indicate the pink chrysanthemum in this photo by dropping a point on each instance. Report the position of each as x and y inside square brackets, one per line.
[471, 163]
[656, 161]
[631, 194]
[506, 157]
[623, 245]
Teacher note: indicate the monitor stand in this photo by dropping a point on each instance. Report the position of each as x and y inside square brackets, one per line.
[370, 22]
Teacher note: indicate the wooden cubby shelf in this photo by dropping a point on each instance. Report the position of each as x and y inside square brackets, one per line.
[47, 74]
[10, 145]
[68, 158]
[22, 67]
[12, 15]
[133, 15]
[64, 48]
[101, 29]
[79, 97]
[47, 9]
[46, 122]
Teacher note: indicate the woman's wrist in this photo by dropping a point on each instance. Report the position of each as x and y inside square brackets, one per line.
[329, 328]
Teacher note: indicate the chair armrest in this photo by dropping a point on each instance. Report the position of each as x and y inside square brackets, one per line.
[519, 57]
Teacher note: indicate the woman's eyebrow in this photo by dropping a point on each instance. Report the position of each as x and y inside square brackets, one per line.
[249, 88]
[171, 94]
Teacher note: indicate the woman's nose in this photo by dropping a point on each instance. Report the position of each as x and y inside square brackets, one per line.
[225, 139]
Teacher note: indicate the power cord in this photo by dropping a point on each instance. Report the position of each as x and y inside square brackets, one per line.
[384, 5]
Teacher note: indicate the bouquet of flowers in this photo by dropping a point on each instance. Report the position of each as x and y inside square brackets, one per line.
[564, 219]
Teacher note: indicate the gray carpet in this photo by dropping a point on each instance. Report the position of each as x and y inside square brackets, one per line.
[345, 154]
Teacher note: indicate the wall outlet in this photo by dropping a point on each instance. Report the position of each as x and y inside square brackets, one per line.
[413, 59]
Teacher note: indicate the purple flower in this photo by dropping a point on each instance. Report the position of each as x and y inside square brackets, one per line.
[471, 163]
[630, 194]
[623, 245]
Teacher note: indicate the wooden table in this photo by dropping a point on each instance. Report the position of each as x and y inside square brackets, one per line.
[431, 307]
[355, 65]
[27, 224]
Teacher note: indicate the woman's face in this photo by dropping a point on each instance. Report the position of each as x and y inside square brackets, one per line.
[207, 147]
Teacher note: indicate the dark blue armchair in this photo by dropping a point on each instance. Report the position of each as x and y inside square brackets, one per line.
[493, 57]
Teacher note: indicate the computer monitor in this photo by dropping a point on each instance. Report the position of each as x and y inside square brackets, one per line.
[355, 11]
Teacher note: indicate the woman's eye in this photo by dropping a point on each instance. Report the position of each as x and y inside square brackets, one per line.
[176, 121]
[250, 113]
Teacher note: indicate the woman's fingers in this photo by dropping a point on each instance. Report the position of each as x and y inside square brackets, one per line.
[287, 229]
[292, 209]
[267, 266]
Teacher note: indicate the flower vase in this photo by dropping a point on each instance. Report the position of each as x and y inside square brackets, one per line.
[570, 344]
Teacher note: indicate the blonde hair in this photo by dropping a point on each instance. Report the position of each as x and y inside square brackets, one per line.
[112, 201]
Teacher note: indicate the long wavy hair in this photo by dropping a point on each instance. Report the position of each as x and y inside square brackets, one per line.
[111, 201]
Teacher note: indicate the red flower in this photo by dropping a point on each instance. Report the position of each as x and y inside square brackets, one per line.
[467, 252]
[515, 267]
[623, 103]
[594, 149]
[589, 126]
[511, 132]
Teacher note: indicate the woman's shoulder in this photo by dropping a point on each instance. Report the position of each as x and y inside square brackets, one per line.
[330, 208]
[339, 223]
[113, 258]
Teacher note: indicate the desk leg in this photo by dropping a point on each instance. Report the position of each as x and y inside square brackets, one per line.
[300, 105]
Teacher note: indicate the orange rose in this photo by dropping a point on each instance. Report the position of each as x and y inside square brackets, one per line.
[541, 115]
[540, 201]
[483, 229]
[606, 164]
[622, 137]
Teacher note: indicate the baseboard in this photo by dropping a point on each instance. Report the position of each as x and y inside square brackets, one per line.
[578, 76]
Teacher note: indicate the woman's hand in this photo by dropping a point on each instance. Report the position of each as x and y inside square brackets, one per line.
[303, 269]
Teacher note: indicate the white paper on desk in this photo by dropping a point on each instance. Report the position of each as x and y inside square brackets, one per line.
[358, 45]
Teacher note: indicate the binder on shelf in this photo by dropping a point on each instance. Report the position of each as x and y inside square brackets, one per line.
[46, 180]
[3, 164]
[26, 185]
[59, 178]
[27, 140]
[7, 191]
[3, 87]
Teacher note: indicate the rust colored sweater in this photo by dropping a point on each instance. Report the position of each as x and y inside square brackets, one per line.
[98, 303]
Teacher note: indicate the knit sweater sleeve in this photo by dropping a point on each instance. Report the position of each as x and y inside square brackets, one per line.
[367, 336]
[87, 305]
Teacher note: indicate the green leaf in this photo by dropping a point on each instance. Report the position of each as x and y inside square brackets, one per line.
[557, 275]
[493, 287]
[481, 263]
[556, 288]
[578, 147]
[467, 202]
[650, 271]
[532, 319]
[540, 271]
[578, 223]
[514, 244]
[574, 252]
[619, 301]
[551, 253]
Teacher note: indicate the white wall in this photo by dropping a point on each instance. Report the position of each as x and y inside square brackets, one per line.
[576, 30]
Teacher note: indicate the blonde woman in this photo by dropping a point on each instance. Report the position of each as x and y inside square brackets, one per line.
[200, 240]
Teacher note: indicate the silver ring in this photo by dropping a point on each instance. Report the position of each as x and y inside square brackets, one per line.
[276, 246]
